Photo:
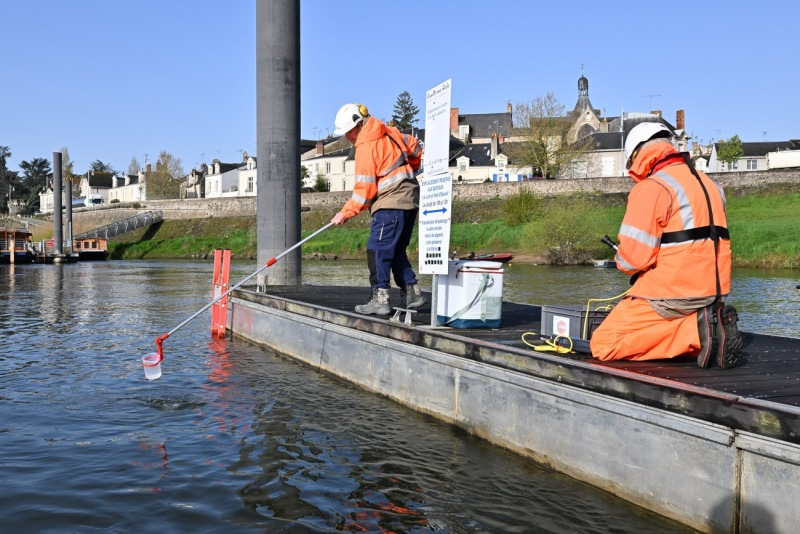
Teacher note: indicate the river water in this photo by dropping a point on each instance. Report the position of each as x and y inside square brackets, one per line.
[236, 438]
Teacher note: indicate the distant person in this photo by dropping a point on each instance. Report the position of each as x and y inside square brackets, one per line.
[386, 185]
[674, 242]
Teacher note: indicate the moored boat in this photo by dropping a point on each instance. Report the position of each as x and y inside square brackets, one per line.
[91, 248]
[502, 257]
[15, 246]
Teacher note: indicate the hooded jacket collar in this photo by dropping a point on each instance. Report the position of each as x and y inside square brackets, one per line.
[373, 129]
[645, 163]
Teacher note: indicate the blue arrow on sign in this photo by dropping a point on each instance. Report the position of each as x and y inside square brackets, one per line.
[440, 210]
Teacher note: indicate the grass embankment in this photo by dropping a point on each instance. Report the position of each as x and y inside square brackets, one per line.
[556, 230]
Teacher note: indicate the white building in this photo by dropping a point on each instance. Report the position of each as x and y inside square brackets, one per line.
[222, 180]
[755, 156]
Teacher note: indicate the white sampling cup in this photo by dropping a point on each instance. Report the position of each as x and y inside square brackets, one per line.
[152, 365]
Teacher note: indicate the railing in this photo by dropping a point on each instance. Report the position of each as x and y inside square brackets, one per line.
[126, 225]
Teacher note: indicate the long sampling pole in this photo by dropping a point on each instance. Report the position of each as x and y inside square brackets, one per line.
[160, 340]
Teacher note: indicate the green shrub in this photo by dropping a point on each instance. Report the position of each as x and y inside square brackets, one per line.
[567, 230]
[521, 208]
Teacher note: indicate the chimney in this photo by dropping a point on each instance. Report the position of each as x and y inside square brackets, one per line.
[494, 145]
[320, 150]
[149, 169]
[508, 107]
[656, 112]
[680, 120]
[454, 121]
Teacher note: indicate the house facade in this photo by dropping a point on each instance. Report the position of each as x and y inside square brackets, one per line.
[222, 180]
[755, 156]
[130, 187]
[97, 185]
[481, 148]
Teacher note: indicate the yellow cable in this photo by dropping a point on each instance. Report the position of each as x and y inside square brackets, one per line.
[607, 307]
[549, 346]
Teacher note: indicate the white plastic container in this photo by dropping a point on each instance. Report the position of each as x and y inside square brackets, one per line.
[152, 365]
[471, 295]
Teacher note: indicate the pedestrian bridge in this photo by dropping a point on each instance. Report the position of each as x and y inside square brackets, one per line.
[126, 225]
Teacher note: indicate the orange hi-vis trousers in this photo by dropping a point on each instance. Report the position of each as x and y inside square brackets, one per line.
[634, 331]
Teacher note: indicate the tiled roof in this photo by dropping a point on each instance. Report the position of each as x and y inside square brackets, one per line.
[485, 124]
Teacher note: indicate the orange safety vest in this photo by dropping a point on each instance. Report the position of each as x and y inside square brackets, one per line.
[666, 237]
[385, 174]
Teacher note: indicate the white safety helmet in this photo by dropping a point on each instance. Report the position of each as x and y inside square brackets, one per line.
[641, 133]
[350, 116]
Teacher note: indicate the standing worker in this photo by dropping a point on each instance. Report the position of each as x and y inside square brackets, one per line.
[674, 242]
[386, 185]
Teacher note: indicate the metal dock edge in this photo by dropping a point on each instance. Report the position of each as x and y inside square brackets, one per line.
[709, 459]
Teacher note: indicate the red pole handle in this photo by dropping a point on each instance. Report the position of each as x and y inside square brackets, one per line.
[159, 348]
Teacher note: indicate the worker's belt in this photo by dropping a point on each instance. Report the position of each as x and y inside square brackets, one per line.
[693, 234]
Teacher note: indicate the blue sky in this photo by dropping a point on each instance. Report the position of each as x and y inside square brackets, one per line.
[114, 79]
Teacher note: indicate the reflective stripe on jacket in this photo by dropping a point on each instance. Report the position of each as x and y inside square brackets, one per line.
[386, 162]
[671, 201]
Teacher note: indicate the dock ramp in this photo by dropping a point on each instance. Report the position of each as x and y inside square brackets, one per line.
[126, 225]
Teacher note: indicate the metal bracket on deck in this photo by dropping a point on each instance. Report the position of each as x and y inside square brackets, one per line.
[406, 319]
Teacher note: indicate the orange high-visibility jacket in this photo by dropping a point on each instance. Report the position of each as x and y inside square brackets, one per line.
[665, 235]
[386, 161]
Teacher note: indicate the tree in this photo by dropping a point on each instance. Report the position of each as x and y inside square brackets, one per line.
[405, 112]
[165, 181]
[322, 184]
[730, 150]
[543, 138]
[99, 166]
[133, 166]
[34, 181]
[66, 171]
[5, 177]
[5, 153]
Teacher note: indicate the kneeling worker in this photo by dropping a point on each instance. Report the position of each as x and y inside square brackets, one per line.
[387, 186]
[674, 242]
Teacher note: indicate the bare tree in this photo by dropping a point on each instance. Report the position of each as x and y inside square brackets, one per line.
[68, 174]
[133, 166]
[165, 181]
[541, 138]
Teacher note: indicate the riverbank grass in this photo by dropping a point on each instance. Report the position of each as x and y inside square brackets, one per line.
[556, 230]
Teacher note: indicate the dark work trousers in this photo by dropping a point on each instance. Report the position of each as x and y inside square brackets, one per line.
[389, 235]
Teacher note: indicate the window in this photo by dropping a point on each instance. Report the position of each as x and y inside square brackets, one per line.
[327, 167]
[733, 165]
[249, 184]
[462, 165]
[752, 165]
[344, 165]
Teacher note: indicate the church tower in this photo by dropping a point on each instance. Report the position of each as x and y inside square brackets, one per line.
[587, 119]
[583, 96]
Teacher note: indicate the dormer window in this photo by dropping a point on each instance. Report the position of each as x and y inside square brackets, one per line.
[501, 163]
[463, 164]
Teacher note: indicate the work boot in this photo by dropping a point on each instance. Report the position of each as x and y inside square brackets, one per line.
[378, 304]
[706, 327]
[411, 297]
[728, 339]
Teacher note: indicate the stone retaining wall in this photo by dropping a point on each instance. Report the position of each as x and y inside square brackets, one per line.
[88, 218]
